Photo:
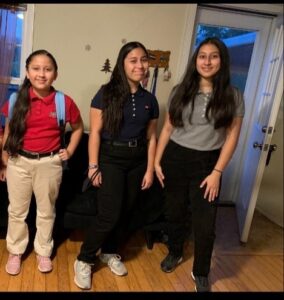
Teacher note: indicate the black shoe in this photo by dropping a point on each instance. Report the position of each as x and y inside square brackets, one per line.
[170, 263]
[201, 283]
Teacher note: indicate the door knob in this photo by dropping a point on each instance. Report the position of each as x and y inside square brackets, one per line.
[257, 145]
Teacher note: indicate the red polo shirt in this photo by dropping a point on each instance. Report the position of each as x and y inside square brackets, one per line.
[42, 132]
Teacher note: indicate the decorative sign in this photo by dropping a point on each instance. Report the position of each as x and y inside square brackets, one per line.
[159, 58]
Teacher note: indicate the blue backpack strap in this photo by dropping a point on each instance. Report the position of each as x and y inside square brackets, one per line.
[12, 101]
[60, 108]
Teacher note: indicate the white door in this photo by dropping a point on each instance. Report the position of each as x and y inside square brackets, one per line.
[237, 187]
[259, 141]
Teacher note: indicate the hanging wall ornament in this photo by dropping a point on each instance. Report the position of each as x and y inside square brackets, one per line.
[106, 67]
[167, 74]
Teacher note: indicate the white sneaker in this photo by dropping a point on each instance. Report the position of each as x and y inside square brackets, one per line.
[114, 262]
[83, 273]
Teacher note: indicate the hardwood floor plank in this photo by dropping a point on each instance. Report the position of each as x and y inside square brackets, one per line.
[29, 267]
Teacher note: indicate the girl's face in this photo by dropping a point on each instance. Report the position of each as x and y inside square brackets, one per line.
[41, 73]
[136, 65]
[208, 61]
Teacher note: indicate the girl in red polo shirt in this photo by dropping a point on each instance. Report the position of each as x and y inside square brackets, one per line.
[32, 159]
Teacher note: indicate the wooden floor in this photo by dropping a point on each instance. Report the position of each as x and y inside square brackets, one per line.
[256, 266]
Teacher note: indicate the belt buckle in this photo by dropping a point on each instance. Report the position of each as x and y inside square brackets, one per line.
[35, 154]
[132, 144]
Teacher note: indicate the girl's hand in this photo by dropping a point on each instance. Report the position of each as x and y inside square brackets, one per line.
[212, 183]
[147, 180]
[64, 154]
[98, 180]
[3, 174]
[160, 175]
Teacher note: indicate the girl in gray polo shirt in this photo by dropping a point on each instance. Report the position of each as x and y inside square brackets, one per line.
[199, 136]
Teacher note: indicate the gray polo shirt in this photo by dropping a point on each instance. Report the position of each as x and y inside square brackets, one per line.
[201, 135]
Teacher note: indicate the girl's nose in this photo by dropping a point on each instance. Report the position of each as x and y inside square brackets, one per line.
[207, 60]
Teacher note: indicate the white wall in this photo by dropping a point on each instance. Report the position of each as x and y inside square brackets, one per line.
[66, 29]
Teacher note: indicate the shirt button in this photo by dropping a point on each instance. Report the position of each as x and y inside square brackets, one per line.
[134, 108]
[133, 115]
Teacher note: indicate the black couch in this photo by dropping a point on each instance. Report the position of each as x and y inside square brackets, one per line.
[75, 210]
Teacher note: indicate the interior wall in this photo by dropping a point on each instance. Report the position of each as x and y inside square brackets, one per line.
[83, 36]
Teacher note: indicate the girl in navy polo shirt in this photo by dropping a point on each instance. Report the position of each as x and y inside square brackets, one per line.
[33, 158]
[198, 139]
[122, 144]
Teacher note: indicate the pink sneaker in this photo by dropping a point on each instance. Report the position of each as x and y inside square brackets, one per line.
[44, 263]
[13, 266]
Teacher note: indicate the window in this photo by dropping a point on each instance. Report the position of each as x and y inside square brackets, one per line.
[24, 32]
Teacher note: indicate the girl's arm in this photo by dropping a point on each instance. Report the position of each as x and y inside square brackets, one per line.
[213, 180]
[77, 132]
[5, 154]
[162, 143]
[96, 124]
[152, 142]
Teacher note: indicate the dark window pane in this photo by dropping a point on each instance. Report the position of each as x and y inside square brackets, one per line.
[16, 62]
[16, 67]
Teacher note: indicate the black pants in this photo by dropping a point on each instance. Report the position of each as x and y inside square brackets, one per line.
[184, 170]
[122, 170]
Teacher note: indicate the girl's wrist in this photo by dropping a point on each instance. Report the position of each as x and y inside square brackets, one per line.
[93, 166]
[218, 171]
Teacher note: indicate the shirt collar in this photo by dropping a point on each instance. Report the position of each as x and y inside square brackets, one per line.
[140, 91]
[47, 100]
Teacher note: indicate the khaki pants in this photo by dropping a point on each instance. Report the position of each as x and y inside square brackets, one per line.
[25, 176]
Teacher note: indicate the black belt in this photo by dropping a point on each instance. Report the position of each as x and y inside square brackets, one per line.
[130, 144]
[36, 155]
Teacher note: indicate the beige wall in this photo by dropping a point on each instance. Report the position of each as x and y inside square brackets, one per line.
[66, 29]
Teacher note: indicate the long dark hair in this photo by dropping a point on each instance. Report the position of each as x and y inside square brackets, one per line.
[17, 124]
[117, 90]
[221, 105]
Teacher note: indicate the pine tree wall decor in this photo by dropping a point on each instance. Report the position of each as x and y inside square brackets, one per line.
[106, 67]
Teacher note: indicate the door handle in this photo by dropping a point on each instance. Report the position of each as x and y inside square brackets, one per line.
[264, 129]
[272, 148]
[257, 145]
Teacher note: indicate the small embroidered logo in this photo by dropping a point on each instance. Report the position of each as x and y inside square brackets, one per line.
[52, 114]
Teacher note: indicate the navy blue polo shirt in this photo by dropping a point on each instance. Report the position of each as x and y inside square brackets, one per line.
[139, 109]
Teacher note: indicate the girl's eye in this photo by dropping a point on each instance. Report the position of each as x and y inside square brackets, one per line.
[215, 56]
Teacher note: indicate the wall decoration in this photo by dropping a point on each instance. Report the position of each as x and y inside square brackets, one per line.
[106, 67]
[167, 74]
[158, 58]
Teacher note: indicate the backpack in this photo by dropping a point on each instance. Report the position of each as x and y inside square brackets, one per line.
[59, 103]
